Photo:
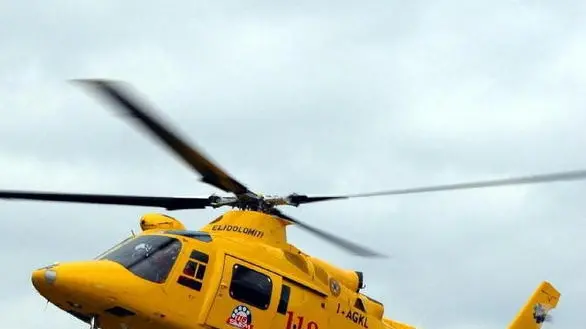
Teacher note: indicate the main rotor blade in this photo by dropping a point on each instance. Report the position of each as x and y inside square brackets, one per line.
[169, 203]
[211, 173]
[544, 178]
[338, 241]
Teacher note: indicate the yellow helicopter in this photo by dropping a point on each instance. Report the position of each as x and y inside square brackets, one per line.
[238, 271]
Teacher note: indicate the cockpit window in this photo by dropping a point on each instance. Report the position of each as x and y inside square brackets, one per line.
[150, 257]
[114, 247]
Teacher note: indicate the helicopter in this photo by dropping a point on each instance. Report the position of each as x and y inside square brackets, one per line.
[239, 270]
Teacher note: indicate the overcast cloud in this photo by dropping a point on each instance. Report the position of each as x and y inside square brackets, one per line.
[329, 97]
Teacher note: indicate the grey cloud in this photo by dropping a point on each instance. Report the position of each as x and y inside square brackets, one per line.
[313, 98]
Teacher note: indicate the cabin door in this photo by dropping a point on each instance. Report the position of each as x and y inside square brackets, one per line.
[247, 297]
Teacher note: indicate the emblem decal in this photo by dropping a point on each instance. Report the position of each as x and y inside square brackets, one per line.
[540, 313]
[334, 287]
[240, 318]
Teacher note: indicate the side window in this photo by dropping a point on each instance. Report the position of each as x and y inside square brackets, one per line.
[194, 270]
[284, 300]
[251, 287]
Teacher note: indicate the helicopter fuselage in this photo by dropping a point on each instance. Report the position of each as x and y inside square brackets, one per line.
[236, 272]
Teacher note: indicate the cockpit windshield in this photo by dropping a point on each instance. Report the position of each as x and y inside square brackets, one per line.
[150, 257]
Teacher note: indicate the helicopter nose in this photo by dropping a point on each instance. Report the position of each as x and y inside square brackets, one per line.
[60, 284]
[101, 290]
[43, 278]
[83, 286]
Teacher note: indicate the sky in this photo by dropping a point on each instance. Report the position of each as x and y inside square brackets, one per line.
[315, 97]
